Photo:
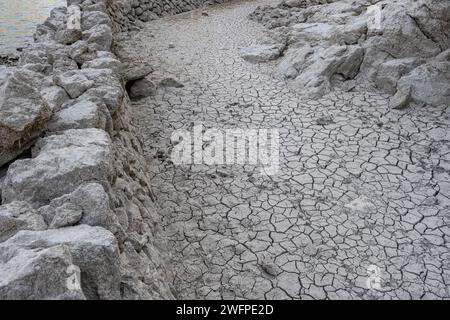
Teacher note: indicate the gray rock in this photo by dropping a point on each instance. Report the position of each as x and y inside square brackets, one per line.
[24, 115]
[388, 73]
[137, 72]
[93, 18]
[74, 82]
[411, 33]
[81, 52]
[83, 114]
[314, 68]
[66, 216]
[39, 274]
[18, 216]
[262, 53]
[61, 163]
[90, 200]
[401, 99]
[429, 83]
[170, 83]
[142, 88]
[104, 63]
[67, 36]
[93, 249]
[100, 35]
[109, 95]
[54, 96]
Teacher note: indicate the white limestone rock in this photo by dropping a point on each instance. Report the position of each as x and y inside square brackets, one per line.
[100, 35]
[60, 164]
[24, 115]
[93, 18]
[89, 202]
[54, 96]
[93, 249]
[18, 216]
[74, 82]
[82, 114]
[428, 83]
[262, 53]
[39, 274]
[104, 63]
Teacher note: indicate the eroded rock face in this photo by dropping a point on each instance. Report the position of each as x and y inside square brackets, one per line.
[61, 163]
[92, 249]
[24, 115]
[398, 51]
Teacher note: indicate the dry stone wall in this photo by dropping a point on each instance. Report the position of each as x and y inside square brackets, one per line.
[129, 14]
[77, 217]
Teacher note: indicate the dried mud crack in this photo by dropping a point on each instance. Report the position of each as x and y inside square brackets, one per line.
[360, 184]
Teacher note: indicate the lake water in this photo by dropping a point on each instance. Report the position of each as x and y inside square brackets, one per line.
[18, 20]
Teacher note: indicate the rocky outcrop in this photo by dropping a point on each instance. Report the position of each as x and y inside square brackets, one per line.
[398, 46]
[77, 217]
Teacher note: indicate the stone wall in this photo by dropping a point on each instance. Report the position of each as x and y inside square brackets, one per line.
[128, 14]
[77, 216]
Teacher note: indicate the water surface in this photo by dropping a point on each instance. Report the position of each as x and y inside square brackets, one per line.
[18, 20]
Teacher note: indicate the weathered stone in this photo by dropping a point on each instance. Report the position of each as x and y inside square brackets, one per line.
[39, 274]
[67, 36]
[313, 68]
[93, 18]
[83, 114]
[74, 82]
[99, 35]
[142, 88]
[94, 250]
[66, 216]
[81, 52]
[18, 216]
[104, 63]
[61, 163]
[54, 96]
[23, 113]
[137, 72]
[262, 53]
[429, 83]
[89, 202]
[170, 83]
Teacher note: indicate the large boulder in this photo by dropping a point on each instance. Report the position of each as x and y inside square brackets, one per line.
[428, 83]
[39, 274]
[24, 115]
[314, 68]
[61, 163]
[93, 249]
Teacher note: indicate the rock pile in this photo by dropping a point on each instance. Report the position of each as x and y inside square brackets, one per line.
[402, 47]
[77, 217]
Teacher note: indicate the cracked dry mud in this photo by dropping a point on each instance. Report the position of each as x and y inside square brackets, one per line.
[370, 187]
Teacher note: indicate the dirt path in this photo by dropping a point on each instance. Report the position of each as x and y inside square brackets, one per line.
[362, 192]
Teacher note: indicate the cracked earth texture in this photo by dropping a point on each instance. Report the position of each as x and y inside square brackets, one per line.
[368, 187]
